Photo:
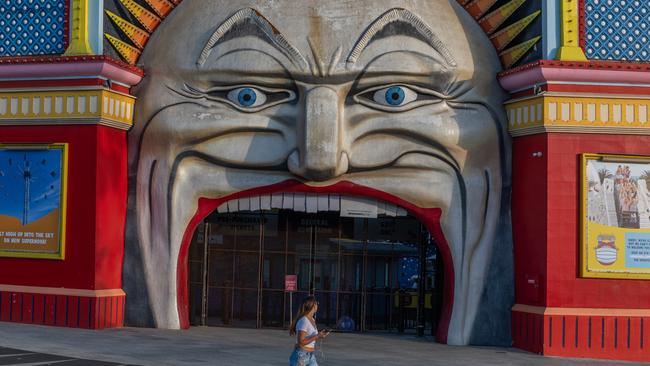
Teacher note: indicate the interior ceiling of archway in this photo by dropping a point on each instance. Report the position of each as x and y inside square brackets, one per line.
[513, 26]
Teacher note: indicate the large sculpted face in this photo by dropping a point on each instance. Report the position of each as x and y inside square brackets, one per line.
[399, 97]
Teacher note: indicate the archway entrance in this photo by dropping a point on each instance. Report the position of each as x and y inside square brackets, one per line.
[369, 274]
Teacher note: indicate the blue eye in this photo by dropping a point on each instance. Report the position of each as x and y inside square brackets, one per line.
[395, 96]
[247, 97]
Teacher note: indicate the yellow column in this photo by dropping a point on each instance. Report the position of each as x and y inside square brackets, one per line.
[570, 49]
[79, 40]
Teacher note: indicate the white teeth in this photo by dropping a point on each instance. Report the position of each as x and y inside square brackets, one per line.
[265, 202]
[381, 208]
[287, 201]
[244, 204]
[391, 210]
[299, 202]
[223, 208]
[358, 207]
[255, 203]
[335, 202]
[323, 202]
[233, 206]
[310, 203]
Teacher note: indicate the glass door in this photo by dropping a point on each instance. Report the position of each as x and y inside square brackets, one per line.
[274, 267]
[365, 273]
[325, 264]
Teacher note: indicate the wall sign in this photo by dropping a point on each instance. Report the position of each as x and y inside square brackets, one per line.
[358, 207]
[615, 216]
[32, 200]
[291, 283]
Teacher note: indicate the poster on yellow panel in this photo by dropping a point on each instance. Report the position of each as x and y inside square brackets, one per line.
[616, 216]
[32, 200]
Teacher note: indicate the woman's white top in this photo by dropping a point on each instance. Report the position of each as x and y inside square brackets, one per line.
[306, 326]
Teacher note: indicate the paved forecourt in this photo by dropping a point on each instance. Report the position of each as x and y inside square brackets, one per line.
[11, 356]
[226, 346]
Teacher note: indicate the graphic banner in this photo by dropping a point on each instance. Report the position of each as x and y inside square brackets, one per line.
[615, 216]
[32, 200]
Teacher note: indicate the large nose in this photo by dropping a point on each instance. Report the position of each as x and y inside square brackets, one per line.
[320, 156]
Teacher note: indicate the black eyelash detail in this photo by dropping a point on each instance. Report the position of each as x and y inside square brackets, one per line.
[188, 91]
[423, 97]
[220, 95]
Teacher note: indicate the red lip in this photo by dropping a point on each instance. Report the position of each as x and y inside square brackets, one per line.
[430, 217]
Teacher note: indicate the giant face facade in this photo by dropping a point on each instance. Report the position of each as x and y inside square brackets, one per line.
[385, 99]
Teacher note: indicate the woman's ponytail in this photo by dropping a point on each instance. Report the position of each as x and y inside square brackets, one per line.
[305, 308]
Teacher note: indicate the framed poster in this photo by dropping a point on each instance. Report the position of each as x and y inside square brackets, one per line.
[615, 216]
[33, 200]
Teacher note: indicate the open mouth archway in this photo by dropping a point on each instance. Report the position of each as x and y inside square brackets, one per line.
[400, 107]
[347, 296]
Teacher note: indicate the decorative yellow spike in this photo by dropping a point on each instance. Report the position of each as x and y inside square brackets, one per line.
[148, 19]
[477, 8]
[570, 49]
[503, 37]
[80, 37]
[138, 36]
[161, 7]
[492, 21]
[129, 53]
[510, 56]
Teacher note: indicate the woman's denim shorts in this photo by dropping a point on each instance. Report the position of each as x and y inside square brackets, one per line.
[302, 358]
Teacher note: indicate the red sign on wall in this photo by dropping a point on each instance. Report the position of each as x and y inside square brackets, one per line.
[291, 283]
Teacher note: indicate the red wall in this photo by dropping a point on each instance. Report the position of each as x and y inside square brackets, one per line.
[529, 196]
[545, 215]
[564, 287]
[110, 219]
[96, 210]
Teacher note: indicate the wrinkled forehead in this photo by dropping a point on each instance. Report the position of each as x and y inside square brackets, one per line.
[306, 33]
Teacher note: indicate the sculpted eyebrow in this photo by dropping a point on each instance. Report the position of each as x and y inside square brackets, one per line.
[400, 15]
[271, 34]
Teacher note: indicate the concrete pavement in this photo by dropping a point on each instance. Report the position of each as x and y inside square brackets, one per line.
[10, 356]
[242, 347]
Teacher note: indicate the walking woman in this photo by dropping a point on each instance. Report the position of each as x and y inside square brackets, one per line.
[304, 327]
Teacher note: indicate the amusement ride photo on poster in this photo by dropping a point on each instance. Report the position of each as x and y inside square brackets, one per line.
[616, 209]
[32, 192]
